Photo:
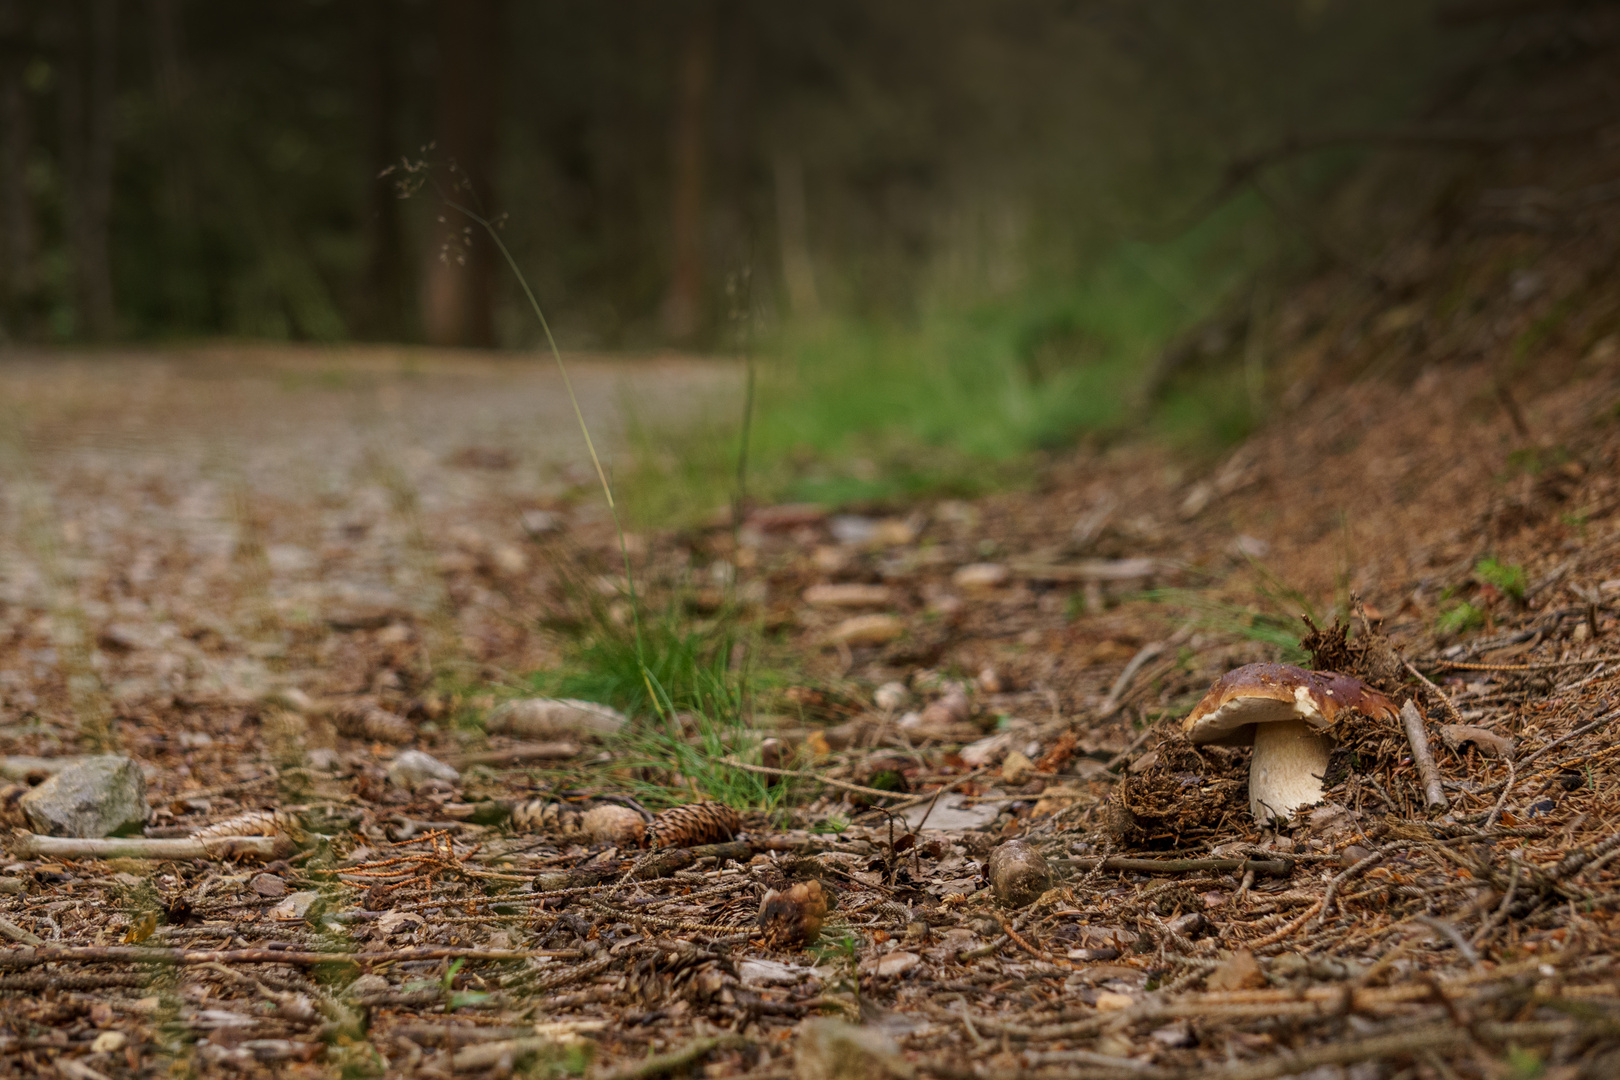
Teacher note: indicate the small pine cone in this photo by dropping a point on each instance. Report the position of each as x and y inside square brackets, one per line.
[254, 823]
[793, 918]
[694, 824]
[541, 816]
[363, 720]
[616, 825]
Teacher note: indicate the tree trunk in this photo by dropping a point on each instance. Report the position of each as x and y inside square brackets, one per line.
[458, 305]
[793, 235]
[382, 300]
[170, 84]
[89, 78]
[683, 305]
[16, 139]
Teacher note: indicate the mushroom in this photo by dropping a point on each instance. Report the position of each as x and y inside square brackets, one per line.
[1285, 712]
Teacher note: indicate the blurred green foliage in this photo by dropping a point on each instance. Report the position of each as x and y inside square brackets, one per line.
[966, 168]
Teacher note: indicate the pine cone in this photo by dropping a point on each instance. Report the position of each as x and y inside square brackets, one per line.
[254, 823]
[793, 918]
[606, 824]
[689, 826]
[540, 816]
[363, 720]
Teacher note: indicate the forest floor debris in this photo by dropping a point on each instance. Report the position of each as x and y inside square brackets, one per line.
[271, 591]
[420, 924]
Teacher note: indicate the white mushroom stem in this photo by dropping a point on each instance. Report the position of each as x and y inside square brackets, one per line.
[1290, 759]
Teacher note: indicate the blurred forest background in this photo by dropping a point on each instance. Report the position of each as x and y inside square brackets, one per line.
[962, 224]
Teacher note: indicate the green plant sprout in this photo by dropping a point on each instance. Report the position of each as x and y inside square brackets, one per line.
[1508, 577]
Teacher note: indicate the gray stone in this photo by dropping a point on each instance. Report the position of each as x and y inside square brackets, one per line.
[98, 796]
[412, 768]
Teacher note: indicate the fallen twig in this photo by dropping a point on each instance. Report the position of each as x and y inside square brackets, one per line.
[1543, 666]
[1417, 736]
[18, 934]
[1122, 685]
[844, 785]
[487, 1055]
[513, 755]
[146, 847]
[1453, 935]
[141, 954]
[1261, 867]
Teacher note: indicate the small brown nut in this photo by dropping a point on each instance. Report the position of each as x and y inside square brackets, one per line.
[1018, 873]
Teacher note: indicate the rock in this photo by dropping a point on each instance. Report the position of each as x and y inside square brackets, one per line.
[771, 973]
[108, 1042]
[554, 718]
[848, 595]
[952, 707]
[868, 630]
[295, 906]
[325, 759]
[99, 796]
[412, 768]
[996, 747]
[1174, 1036]
[1239, 972]
[892, 963]
[268, 885]
[1018, 873]
[891, 696]
[612, 824]
[1016, 768]
[540, 522]
[853, 530]
[508, 560]
[370, 983]
[983, 575]
[835, 1050]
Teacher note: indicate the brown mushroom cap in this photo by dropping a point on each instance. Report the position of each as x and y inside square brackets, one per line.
[1263, 693]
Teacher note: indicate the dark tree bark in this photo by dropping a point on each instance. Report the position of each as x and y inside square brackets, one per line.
[683, 304]
[383, 289]
[89, 78]
[172, 87]
[458, 304]
[16, 140]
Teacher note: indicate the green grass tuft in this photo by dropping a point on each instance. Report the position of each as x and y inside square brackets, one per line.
[1508, 577]
[955, 400]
